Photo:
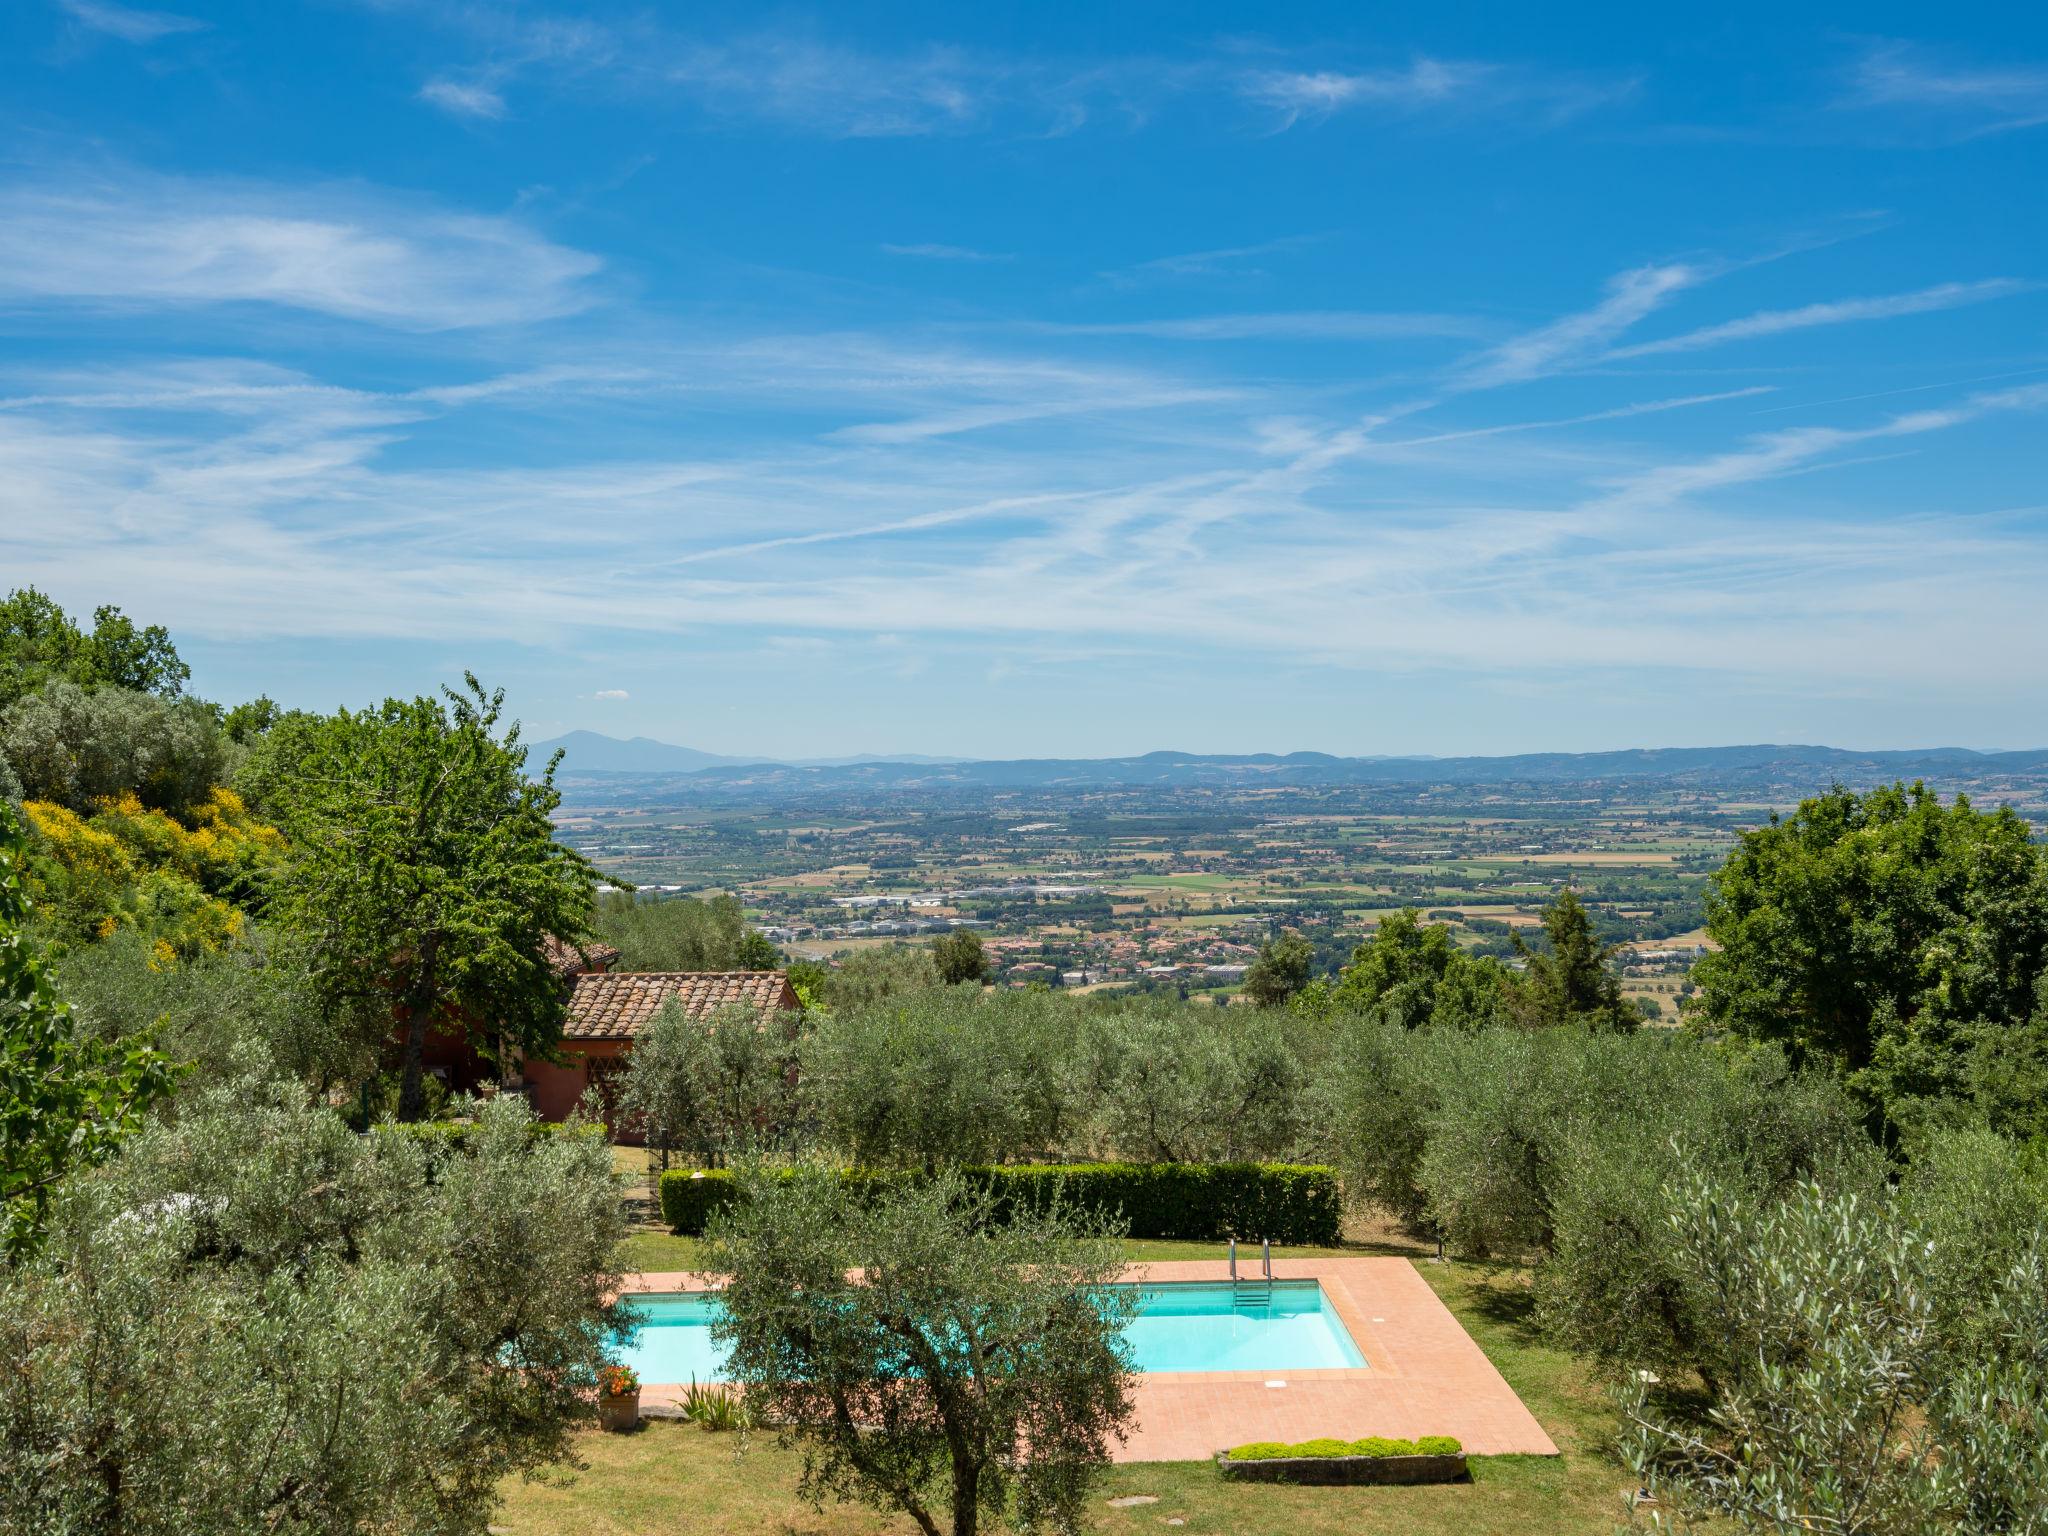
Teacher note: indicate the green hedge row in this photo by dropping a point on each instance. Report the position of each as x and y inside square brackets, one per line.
[1286, 1202]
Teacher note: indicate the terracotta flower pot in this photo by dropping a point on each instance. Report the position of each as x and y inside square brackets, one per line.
[619, 1411]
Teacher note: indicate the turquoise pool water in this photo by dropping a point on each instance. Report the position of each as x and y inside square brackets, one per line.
[1178, 1328]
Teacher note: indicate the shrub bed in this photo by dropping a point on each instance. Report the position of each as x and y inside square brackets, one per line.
[1286, 1202]
[1337, 1463]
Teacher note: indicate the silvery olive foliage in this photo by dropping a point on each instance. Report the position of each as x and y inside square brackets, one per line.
[924, 1358]
[1853, 1389]
[257, 1320]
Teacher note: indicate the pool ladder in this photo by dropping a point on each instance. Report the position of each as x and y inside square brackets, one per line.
[1248, 1290]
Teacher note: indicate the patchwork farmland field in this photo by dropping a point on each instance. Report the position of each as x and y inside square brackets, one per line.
[1173, 887]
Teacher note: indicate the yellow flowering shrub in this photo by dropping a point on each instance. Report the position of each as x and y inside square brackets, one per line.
[184, 882]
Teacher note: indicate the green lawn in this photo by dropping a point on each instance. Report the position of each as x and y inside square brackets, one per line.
[676, 1480]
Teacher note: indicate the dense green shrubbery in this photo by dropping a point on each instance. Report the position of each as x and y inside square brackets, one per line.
[1371, 1445]
[1557, 1145]
[448, 1138]
[253, 1319]
[1288, 1203]
[1878, 1361]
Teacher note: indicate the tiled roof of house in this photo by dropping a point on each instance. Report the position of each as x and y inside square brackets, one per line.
[619, 1006]
[571, 959]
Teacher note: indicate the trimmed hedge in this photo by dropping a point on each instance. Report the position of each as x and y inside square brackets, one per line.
[1371, 1445]
[1286, 1202]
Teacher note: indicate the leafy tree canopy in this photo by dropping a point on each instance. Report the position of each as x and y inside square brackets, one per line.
[425, 878]
[1416, 974]
[1569, 981]
[709, 1089]
[40, 644]
[960, 957]
[254, 1319]
[973, 1371]
[1283, 968]
[1882, 932]
[75, 747]
[681, 933]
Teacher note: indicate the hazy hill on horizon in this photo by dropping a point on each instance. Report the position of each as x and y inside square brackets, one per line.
[589, 754]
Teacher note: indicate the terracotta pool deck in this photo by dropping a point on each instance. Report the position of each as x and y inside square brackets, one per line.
[1424, 1374]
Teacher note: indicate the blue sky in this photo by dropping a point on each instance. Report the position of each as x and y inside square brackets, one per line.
[1047, 379]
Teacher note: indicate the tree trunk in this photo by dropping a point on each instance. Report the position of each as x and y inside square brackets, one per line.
[412, 1088]
[966, 1494]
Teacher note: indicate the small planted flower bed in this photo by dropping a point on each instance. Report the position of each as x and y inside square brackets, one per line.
[1342, 1463]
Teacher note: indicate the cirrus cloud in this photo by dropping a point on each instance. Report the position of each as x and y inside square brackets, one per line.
[135, 239]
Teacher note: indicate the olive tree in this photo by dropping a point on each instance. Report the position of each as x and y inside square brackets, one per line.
[1180, 1084]
[710, 1088]
[254, 1319]
[925, 1077]
[1840, 1402]
[924, 1358]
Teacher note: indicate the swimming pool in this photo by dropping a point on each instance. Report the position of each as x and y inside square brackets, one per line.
[1181, 1327]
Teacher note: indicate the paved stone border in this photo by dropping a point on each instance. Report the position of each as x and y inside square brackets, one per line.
[1423, 1375]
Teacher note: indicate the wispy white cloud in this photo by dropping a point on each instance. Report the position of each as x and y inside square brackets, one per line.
[469, 98]
[1288, 325]
[611, 693]
[946, 253]
[1777, 453]
[1630, 297]
[141, 240]
[1837, 312]
[1457, 86]
[1230, 261]
[1977, 99]
[841, 91]
[128, 23]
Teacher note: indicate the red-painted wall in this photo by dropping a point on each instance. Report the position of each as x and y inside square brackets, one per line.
[556, 1090]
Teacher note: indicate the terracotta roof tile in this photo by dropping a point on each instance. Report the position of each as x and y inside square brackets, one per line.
[619, 1006]
[570, 959]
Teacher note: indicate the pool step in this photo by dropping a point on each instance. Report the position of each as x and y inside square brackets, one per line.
[1252, 1291]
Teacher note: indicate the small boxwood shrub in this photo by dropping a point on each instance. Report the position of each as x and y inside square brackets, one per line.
[1371, 1445]
[690, 1199]
[1286, 1202]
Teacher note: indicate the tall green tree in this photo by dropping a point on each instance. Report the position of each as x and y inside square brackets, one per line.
[1282, 969]
[66, 1102]
[41, 644]
[1570, 981]
[973, 1370]
[1882, 935]
[425, 876]
[960, 957]
[1415, 974]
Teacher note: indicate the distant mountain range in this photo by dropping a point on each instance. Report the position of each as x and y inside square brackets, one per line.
[588, 754]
